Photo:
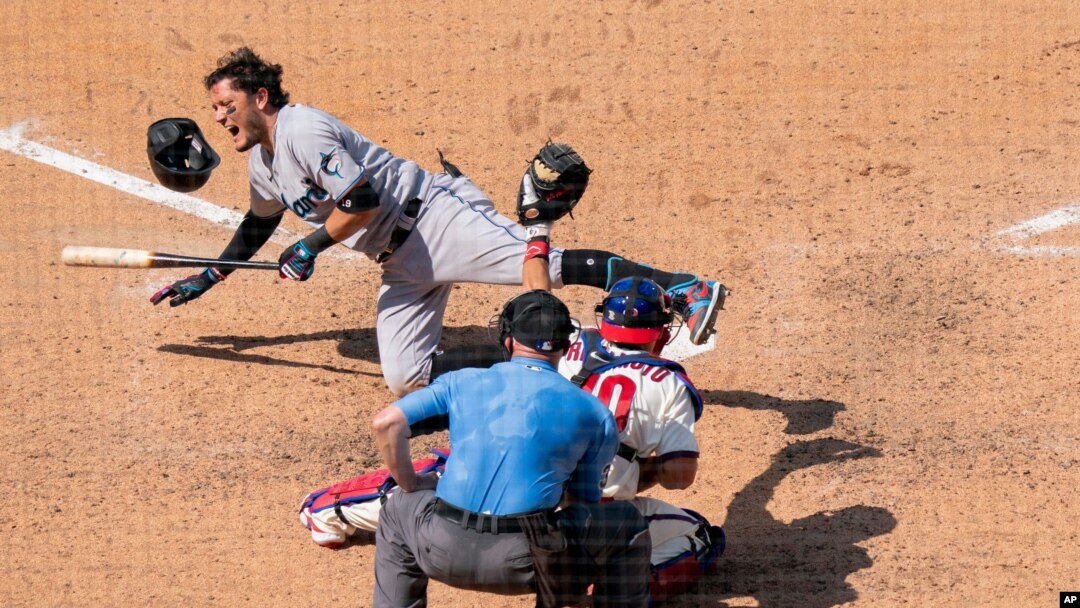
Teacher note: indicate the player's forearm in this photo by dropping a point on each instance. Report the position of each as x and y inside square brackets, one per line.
[535, 264]
[648, 473]
[340, 225]
[534, 274]
[252, 233]
[391, 430]
[677, 473]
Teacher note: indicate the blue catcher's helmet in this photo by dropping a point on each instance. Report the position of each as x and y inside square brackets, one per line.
[636, 311]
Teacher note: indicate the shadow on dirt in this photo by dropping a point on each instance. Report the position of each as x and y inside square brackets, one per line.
[804, 563]
[803, 416]
[227, 354]
[352, 344]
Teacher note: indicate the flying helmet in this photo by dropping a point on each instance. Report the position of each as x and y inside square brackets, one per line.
[179, 155]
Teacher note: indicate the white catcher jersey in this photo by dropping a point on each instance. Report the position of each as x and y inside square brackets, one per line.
[654, 407]
[317, 160]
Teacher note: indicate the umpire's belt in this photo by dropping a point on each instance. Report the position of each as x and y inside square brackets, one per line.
[405, 224]
[494, 524]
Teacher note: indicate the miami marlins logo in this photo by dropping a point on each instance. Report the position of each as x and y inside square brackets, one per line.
[330, 164]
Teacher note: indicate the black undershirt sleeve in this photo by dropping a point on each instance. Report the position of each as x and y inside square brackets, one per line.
[361, 198]
[250, 236]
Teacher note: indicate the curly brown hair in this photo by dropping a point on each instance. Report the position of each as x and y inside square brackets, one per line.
[249, 73]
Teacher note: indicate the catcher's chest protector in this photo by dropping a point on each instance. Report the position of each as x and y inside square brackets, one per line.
[595, 360]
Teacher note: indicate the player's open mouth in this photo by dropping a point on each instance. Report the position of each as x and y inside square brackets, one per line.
[233, 130]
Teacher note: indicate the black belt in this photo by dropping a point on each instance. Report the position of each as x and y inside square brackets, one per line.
[627, 452]
[404, 228]
[494, 524]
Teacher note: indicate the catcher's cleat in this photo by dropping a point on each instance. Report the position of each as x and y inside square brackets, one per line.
[698, 303]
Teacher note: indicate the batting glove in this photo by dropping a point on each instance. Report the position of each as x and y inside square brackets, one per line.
[296, 262]
[186, 290]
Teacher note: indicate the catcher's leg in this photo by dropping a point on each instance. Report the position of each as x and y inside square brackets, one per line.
[332, 525]
[684, 547]
[331, 534]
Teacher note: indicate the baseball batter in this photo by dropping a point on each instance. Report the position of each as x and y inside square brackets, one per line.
[426, 230]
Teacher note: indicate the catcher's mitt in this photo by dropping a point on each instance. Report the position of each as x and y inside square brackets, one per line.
[552, 185]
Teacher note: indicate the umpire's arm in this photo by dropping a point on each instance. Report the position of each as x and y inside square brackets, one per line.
[392, 434]
[418, 413]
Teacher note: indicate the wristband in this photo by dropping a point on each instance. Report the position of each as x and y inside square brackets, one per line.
[538, 247]
[214, 275]
[318, 241]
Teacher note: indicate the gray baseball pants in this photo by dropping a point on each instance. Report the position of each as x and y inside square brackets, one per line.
[604, 545]
[459, 237]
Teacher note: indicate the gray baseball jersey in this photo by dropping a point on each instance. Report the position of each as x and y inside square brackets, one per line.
[458, 235]
[317, 160]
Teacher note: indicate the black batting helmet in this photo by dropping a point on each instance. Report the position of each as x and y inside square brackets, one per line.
[179, 155]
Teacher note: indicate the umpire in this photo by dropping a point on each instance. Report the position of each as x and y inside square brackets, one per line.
[524, 440]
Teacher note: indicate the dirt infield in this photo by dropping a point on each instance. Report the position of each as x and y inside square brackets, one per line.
[891, 411]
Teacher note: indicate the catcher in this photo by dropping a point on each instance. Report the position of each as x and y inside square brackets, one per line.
[427, 230]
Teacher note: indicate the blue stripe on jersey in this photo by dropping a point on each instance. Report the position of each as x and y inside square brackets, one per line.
[468, 204]
[350, 187]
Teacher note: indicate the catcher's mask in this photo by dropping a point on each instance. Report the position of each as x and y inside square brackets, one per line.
[636, 311]
[179, 155]
[538, 320]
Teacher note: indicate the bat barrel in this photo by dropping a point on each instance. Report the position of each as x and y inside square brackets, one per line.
[109, 257]
[106, 256]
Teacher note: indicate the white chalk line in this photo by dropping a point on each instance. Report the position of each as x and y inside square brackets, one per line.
[1058, 218]
[1041, 250]
[12, 140]
[1048, 222]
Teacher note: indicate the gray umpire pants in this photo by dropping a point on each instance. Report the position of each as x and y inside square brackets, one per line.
[607, 545]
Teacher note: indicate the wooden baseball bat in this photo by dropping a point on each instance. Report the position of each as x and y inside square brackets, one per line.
[141, 258]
